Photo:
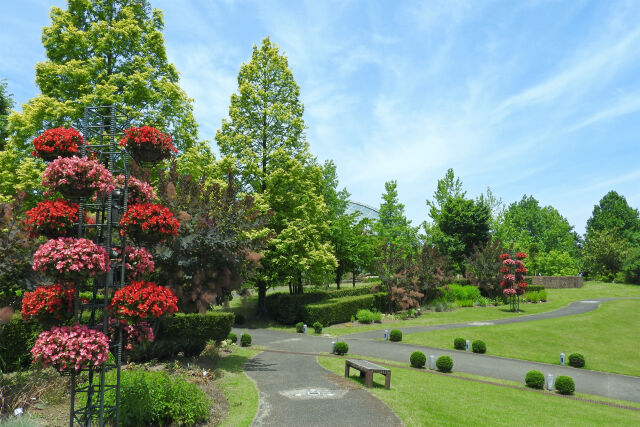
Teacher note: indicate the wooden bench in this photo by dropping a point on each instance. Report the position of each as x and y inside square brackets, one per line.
[368, 369]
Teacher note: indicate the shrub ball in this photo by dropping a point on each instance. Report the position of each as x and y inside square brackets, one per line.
[395, 335]
[576, 360]
[341, 348]
[245, 340]
[418, 359]
[534, 379]
[317, 327]
[460, 344]
[232, 337]
[565, 385]
[478, 346]
[300, 327]
[444, 363]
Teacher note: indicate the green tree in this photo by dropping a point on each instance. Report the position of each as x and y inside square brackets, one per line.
[604, 254]
[6, 104]
[556, 263]
[482, 266]
[105, 52]
[614, 213]
[392, 226]
[265, 116]
[448, 187]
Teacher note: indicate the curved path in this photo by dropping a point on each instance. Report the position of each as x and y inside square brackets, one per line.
[364, 344]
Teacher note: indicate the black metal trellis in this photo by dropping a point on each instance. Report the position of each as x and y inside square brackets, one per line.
[102, 129]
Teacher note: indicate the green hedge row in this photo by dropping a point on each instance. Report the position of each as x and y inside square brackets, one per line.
[535, 288]
[16, 339]
[341, 310]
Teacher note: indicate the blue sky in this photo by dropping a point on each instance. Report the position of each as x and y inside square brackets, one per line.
[527, 97]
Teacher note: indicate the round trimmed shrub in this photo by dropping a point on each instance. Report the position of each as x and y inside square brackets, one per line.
[395, 335]
[478, 346]
[300, 327]
[232, 337]
[444, 363]
[418, 359]
[460, 344]
[576, 360]
[534, 379]
[317, 327]
[341, 348]
[565, 385]
[245, 340]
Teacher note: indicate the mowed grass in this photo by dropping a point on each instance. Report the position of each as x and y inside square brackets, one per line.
[438, 400]
[239, 390]
[607, 337]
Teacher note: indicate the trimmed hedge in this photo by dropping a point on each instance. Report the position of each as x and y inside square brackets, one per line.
[418, 359]
[395, 335]
[245, 340]
[317, 327]
[576, 360]
[300, 327]
[444, 363]
[535, 288]
[565, 385]
[341, 348]
[232, 337]
[341, 310]
[478, 346]
[534, 379]
[460, 344]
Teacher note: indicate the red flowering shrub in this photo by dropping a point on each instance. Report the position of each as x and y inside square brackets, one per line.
[57, 142]
[72, 259]
[513, 279]
[137, 191]
[521, 255]
[148, 222]
[71, 348]
[147, 144]
[77, 177]
[504, 256]
[142, 300]
[48, 303]
[52, 218]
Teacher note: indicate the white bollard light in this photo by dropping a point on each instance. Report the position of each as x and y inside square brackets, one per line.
[304, 328]
[549, 381]
[386, 334]
[467, 345]
[562, 358]
[333, 346]
[432, 362]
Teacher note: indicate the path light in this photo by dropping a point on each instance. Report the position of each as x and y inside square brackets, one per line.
[549, 381]
[386, 334]
[305, 328]
[467, 346]
[432, 362]
[562, 358]
[333, 346]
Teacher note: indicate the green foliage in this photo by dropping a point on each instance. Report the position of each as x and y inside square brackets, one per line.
[452, 293]
[576, 360]
[16, 339]
[534, 379]
[613, 213]
[478, 346]
[367, 316]
[535, 288]
[300, 327]
[341, 348]
[448, 187]
[631, 266]
[341, 310]
[565, 385]
[245, 340]
[6, 104]
[531, 296]
[555, 263]
[395, 335]
[482, 266]
[317, 327]
[232, 337]
[24, 388]
[603, 254]
[431, 270]
[392, 226]
[460, 344]
[542, 295]
[444, 363]
[418, 359]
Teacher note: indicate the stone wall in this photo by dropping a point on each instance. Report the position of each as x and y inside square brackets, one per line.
[557, 282]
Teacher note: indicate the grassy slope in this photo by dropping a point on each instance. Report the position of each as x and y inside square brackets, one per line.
[608, 338]
[239, 390]
[425, 399]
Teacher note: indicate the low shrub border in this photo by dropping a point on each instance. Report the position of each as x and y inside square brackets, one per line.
[478, 346]
[460, 344]
[395, 335]
[300, 327]
[317, 327]
[576, 360]
[245, 340]
[565, 385]
[534, 379]
[418, 359]
[444, 363]
[232, 337]
[341, 348]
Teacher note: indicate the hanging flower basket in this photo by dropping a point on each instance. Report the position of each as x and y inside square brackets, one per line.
[147, 144]
[137, 191]
[48, 304]
[58, 142]
[138, 262]
[71, 259]
[52, 219]
[148, 223]
[77, 177]
[142, 301]
[71, 348]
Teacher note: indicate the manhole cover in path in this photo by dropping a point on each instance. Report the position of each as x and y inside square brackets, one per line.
[313, 393]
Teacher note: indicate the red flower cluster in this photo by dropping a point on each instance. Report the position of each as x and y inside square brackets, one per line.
[47, 303]
[504, 269]
[142, 300]
[52, 219]
[504, 256]
[57, 142]
[522, 270]
[513, 274]
[148, 138]
[521, 255]
[523, 285]
[145, 221]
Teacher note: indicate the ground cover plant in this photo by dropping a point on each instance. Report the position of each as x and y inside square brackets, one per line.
[608, 346]
[475, 409]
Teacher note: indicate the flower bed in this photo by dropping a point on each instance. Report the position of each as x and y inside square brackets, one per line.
[138, 262]
[76, 177]
[58, 142]
[48, 303]
[52, 218]
[71, 259]
[147, 144]
[137, 191]
[148, 222]
[142, 300]
[68, 348]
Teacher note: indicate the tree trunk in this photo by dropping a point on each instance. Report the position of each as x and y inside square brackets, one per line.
[354, 278]
[262, 303]
[338, 276]
[290, 288]
[299, 283]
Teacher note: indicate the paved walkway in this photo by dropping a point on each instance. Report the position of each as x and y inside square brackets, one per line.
[295, 391]
[592, 382]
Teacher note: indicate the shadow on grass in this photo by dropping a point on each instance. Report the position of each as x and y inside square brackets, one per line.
[360, 380]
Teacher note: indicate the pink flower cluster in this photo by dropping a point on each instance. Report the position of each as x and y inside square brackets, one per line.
[137, 191]
[71, 347]
[138, 262]
[509, 291]
[77, 176]
[137, 334]
[69, 257]
[509, 262]
[511, 277]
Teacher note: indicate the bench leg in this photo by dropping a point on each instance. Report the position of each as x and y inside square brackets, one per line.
[387, 380]
[346, 371]
[368, 379]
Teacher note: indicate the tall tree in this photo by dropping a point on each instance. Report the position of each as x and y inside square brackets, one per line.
[6, 104]
[614, 213]
[105, 52]
[392, 226]
[448, 187]
[264, 116]
[604, 254]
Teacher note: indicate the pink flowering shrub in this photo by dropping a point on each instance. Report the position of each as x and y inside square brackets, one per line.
[77, 177]
[71, 348]
[513, 279]
[137, 191]
[71, 258]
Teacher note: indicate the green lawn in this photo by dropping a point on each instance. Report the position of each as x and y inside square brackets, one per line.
[607, 337]
[239, 390]
[427, 399]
